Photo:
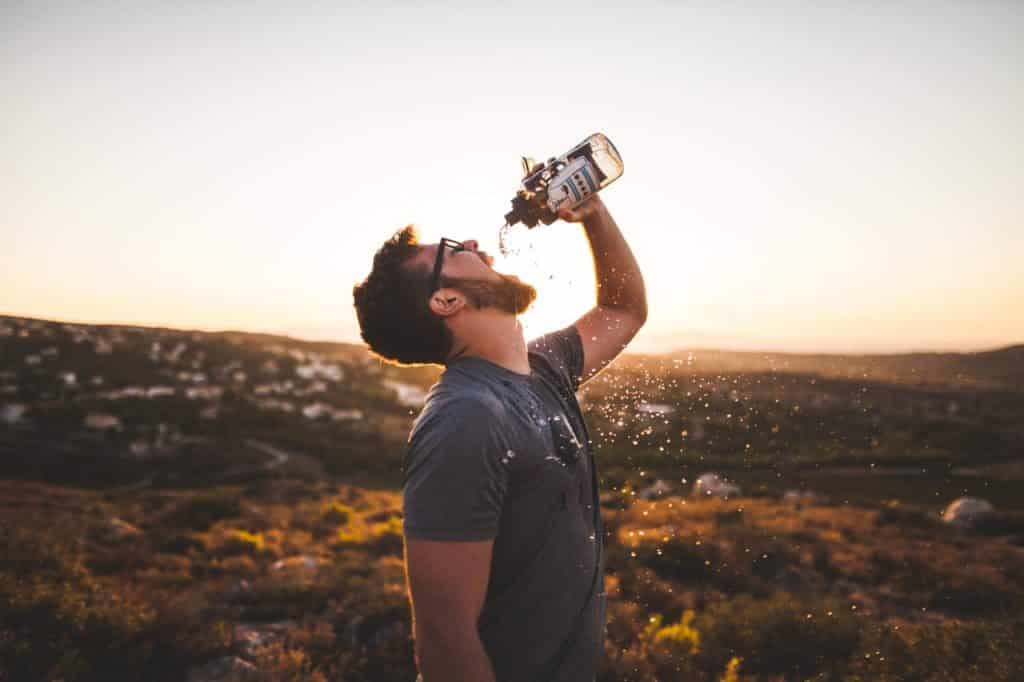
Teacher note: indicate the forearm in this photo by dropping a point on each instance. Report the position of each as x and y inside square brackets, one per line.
[620, 285]
[458, 658]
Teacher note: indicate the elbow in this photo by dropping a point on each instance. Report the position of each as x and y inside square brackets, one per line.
[641, 314]
[638, 314]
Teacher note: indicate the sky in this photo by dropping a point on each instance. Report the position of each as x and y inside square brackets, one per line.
[827, 177]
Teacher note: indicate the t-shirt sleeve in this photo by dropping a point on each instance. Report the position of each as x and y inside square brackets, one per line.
[563, 349]
[454, 479]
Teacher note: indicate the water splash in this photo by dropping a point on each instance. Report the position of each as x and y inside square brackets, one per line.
[503, 241]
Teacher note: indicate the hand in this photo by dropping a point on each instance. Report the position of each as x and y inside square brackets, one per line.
[591, 206]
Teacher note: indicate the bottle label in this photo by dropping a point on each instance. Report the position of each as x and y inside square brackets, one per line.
[574, 183]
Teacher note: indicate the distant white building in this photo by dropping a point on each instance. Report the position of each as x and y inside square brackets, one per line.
[274, 388]
[33, 360]
[68, 378]
[317, 410]
[317, 369]
[345, 415]
[13, 414]
[98, 421]
[139, 448]
[159, 391]
[103, 347]
[175, 355]
[713, 485]
[407, 394]
[203, 392]
[655, 409]
[275, 405]
[656, 490]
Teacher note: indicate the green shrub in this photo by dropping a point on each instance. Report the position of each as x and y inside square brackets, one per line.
[949, 651]
[60, 623]
[181, 543]
[200, 512]
[337, 513]
[242, 542]
[777, 636]
[680, 635]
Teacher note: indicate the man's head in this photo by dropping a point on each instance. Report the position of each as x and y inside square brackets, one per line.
[404, 320]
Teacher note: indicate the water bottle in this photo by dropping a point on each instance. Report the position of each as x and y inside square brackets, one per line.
[565, 181]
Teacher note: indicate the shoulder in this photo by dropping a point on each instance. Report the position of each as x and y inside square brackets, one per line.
[451, 408]
[561, 352]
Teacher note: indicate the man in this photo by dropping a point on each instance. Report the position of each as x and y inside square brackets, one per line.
[501, 515]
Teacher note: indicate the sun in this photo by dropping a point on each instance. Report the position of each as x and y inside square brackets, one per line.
[556, 261]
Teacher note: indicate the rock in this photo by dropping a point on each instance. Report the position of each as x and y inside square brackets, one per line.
[713, 485]
[116, 531]
[248, 638]
[13, 414]
[967, 511]
[301, 567]
[227, 669]
[801, 497]
[655, 491]
[102, 422]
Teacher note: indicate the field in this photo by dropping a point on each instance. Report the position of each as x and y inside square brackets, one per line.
[226, 506]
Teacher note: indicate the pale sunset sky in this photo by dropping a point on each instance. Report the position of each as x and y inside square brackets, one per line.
[836, 177]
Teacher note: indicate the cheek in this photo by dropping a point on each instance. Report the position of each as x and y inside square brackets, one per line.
[473, 267]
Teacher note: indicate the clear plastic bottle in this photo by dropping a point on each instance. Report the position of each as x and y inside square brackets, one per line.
[564, 181]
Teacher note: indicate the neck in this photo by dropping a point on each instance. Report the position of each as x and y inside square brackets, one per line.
[495, 337]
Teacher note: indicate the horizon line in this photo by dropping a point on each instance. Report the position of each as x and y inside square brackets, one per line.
[679, 349]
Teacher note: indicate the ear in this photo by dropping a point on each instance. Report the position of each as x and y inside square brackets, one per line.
[447, 302]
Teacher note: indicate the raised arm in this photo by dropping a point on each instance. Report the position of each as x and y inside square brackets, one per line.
[621, 308]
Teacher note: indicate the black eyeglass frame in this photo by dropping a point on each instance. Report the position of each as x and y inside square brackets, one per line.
[455, 246]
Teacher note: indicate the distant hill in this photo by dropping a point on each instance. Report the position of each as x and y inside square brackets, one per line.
[996, 369]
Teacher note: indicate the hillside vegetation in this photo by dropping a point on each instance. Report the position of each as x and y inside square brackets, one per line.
[195, 506]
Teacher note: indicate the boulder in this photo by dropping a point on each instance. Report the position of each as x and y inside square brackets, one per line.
[115, 531]
[713, 485]
[301, 567]
[249, 638]
[967, 511]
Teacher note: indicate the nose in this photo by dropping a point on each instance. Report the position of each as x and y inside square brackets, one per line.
[470, 245]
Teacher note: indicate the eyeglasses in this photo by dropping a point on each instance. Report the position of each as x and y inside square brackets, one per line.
[435, 281]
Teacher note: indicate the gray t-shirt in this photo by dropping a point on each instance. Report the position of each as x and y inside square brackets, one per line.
[496, 454]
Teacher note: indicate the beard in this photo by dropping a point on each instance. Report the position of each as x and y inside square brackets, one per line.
[510, 295]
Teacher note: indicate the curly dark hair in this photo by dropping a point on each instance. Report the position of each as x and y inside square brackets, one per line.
[395, 319]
